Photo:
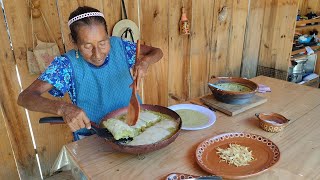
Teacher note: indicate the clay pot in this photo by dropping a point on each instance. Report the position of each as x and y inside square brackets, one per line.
[272, 122]
[141, 149]
[232, 97]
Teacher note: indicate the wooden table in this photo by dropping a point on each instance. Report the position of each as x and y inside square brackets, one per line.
[299, 143]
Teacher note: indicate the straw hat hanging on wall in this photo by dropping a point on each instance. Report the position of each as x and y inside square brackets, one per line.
[126, 29]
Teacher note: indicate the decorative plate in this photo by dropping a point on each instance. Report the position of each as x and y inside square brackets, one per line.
[205, 111]
[265, 154]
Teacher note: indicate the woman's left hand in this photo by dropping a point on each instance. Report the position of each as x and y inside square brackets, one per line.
[148, 55]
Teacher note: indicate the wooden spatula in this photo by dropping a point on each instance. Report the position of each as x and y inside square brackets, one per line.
[134, 106]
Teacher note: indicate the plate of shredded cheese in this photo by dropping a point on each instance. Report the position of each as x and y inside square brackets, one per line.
[237, 155]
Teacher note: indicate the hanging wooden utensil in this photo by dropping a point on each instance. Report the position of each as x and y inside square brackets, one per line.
[134, 105]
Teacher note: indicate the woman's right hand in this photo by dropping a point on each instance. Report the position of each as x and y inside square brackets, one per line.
[75, 117]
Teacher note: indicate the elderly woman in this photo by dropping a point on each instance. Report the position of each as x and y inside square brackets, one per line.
[96, 74]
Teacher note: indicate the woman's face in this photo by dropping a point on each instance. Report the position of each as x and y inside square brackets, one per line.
[93, 43]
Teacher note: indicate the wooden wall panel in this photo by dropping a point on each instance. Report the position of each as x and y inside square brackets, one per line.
[49, 139]
[179, 53]
[227, 38]
[112, 13]
[65, 8]
[98, 4]
[49, 10]
[278, 30]
[132, 10]
[239, 13]
[154, 32]
[252, 39]
[287, 20]
[266, 57]
[8, 168]
[200, 48]
[12, 116]
[305, 6]
[220, 39]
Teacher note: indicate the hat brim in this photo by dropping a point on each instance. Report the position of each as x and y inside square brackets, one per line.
[121, 27]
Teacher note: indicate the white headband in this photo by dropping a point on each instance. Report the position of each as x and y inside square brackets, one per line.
[84, 15]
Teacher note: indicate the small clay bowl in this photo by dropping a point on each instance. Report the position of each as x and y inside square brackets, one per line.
[272, 122]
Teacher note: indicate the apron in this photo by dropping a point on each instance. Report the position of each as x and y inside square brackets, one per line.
[100, 90]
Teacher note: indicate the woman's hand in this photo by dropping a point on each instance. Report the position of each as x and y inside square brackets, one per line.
[148, 55]
[140, 70]
[75, 117]
[32, 100]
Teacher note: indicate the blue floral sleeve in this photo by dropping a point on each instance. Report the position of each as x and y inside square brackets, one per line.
[130, 51]
[58, 74]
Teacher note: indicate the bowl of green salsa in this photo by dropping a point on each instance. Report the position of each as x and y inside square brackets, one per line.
[232, 90]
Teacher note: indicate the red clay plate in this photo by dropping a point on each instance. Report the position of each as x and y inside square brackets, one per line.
[264, 151]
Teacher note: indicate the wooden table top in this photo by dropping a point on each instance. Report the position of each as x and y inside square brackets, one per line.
[299, 143]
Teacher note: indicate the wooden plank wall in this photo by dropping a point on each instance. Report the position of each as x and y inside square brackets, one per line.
[305, 6]
[179, 64]
[277, 34]
[48, 138]
[252, 39]
[254, 32]
[8, 89]
[10, 148]
[154, 20]
[200, 45]
[8, 169]
[13, 117]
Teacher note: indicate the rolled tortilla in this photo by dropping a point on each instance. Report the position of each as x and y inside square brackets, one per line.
[119, 129]
[139, 126]
[167, 124]
[149, 117]
[150, 135]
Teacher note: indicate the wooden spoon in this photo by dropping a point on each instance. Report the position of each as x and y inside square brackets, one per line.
[134, 106]
[216, 86]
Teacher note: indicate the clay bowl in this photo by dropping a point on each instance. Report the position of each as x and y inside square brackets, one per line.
[233, 97]
[141, 149]
[272, 122]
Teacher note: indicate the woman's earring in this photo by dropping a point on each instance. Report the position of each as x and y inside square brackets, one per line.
[77, 54]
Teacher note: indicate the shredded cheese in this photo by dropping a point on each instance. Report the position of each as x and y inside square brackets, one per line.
[235, 155]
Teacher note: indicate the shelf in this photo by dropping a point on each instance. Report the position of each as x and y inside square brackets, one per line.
[302, 22]
[307, 27]
[295, 52]
[300, 25]
[300, 56]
